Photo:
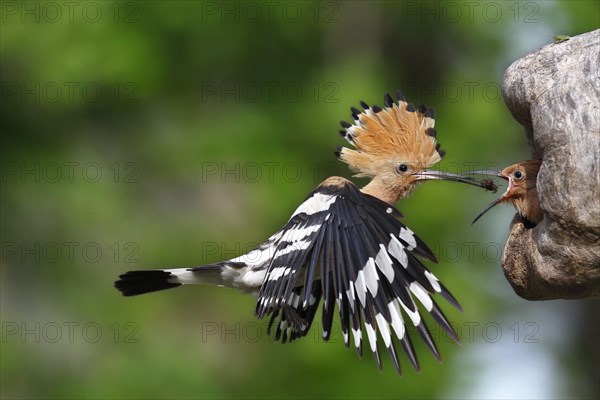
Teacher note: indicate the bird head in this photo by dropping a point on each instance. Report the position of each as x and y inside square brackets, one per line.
[395, 146]
[521, 191]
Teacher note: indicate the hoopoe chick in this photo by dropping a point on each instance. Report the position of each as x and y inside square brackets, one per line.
[344, 245]
[521, 191]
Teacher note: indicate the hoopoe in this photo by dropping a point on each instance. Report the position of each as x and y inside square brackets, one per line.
[521, 191]
[344, 245]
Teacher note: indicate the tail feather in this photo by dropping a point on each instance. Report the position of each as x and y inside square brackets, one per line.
[133, 283]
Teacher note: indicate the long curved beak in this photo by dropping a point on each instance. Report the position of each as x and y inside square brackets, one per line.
[483, 172]
[445, 176]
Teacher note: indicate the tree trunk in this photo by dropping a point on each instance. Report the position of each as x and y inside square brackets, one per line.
[555, 94]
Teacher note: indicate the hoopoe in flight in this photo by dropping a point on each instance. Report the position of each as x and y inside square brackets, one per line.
[344, 245]
[521, 191]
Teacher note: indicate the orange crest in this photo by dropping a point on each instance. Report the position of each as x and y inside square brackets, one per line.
[396, 134]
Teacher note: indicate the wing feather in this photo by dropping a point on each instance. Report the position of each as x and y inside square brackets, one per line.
[349, 248]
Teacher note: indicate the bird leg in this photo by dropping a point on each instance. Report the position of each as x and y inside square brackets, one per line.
[292, 316]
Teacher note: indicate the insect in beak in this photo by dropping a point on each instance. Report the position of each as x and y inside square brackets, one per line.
[500, 199]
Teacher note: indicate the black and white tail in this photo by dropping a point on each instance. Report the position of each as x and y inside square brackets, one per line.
[133, 283]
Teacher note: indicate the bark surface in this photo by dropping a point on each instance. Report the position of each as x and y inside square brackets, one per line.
[554, 93]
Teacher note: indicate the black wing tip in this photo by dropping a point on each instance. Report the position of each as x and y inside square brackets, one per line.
[429, 342]
[425, 252]
[410, 352]
[134, 283]
[442, 321]
[377, 357]
[392, 353]
[449, 298]
[431, 256]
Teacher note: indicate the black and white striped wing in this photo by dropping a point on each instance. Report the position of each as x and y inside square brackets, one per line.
[349, 248]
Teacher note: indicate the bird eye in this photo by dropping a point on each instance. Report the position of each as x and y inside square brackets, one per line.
[402, 167]
[518, 175]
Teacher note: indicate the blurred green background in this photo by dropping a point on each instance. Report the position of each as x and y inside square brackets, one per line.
[151, 134]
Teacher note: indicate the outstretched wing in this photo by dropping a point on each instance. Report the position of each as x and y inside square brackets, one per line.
[349, 248]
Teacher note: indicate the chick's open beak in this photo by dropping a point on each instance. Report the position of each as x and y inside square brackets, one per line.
[488, 208]
[500, 199]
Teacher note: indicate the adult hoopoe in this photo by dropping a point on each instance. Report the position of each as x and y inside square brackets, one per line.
[344, 245]
[521, 191]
